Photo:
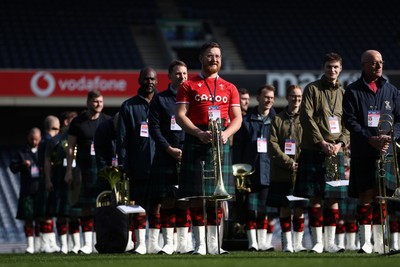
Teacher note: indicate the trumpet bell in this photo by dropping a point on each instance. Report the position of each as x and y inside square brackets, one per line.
[221, 194]
[242, 169]
[104, 199]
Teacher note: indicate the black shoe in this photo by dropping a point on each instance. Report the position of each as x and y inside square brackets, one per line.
[361, 251]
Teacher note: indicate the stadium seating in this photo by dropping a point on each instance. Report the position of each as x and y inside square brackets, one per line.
[275, 35]
[11, 229]
[293, 35]
[71, 34]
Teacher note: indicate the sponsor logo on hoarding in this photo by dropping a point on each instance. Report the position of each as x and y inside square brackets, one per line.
[43, 77]
[281, 80]
[43, 84]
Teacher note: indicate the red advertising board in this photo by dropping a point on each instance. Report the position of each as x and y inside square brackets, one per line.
[52, 83]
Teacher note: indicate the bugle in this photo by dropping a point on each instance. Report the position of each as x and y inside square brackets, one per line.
[240, 172]
[119, 183]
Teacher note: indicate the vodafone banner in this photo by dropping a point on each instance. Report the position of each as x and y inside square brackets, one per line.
[70, 87]
[51, 83]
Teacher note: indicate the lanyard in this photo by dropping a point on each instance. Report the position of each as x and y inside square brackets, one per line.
[209, 90]
[291, 118]
[332, 109]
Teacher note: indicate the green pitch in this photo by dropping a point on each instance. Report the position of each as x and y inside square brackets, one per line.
[235, 258]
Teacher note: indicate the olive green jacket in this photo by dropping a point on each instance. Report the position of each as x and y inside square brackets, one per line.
[321, 100]
[285, 126]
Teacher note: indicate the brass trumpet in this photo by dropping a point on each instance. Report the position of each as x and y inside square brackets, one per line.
[241, 171]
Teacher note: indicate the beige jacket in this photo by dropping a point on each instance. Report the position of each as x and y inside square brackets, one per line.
[285, 126]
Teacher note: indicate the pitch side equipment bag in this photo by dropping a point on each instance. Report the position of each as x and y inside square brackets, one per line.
[112, 230]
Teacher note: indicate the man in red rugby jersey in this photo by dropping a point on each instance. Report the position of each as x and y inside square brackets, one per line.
[201, 100]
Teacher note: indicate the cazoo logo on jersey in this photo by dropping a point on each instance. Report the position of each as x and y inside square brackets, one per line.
[44, 84]
[205, 97]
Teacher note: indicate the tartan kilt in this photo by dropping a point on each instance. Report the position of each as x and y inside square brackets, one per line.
[26, 207]
[391, 185]
[88, 193]
[348, 208]
[163, 176]
[257, 199]
[364, 173]
[277, 196]
[41, 202]
[311, 176]
[390, 178]
[139, 191]
[190, 180]
[393, 208]
[162, 185]
[59, 203]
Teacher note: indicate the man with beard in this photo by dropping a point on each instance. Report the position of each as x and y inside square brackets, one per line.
[205, 99]
[81, 135]
[135, 149]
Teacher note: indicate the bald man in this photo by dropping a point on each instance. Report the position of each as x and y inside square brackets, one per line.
[51, 127]
[135, 148]
[366, 102]
[25, 162]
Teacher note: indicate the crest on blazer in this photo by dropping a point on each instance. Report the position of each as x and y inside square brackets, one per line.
[387, 105]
